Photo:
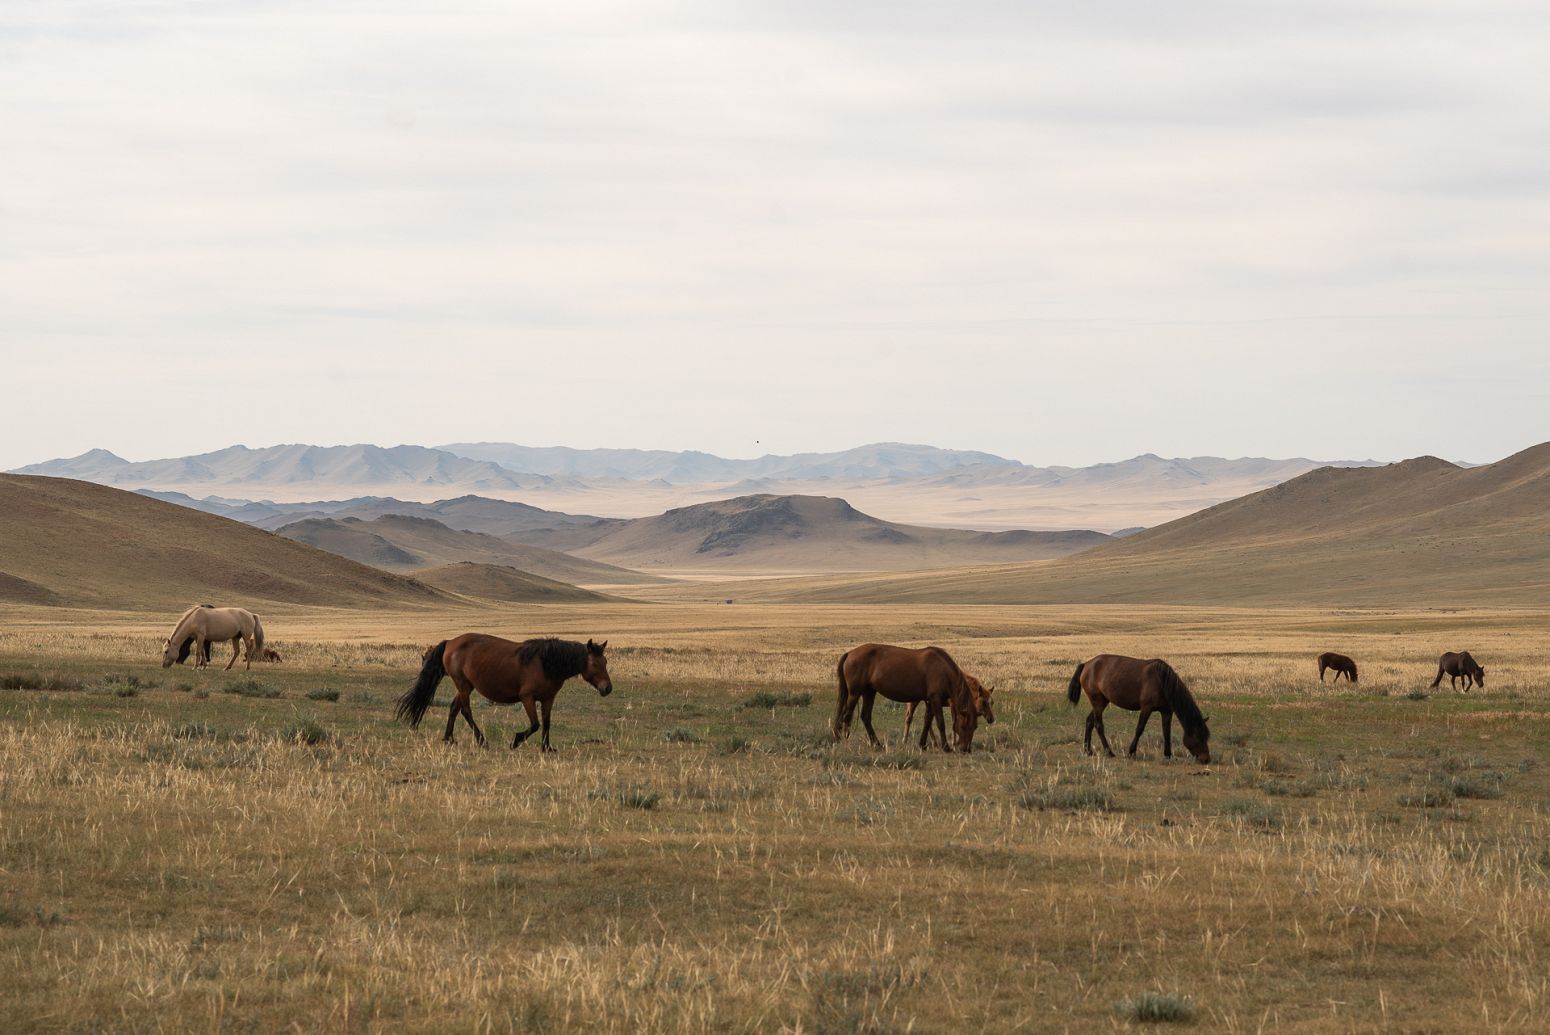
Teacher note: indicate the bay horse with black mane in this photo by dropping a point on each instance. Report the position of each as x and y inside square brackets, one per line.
[1140, 685]
[929, 675]
[1458, 665]
[1339, 663]
[504, 672]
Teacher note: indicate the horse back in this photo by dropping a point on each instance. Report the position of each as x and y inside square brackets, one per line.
[1118, 679]
[901, 673]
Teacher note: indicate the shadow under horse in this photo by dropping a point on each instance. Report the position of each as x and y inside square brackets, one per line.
[1146, 686]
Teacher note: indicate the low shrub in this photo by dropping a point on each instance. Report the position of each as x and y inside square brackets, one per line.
[323, 693]
[768, 700]
[1157, 1008]
[247, 686]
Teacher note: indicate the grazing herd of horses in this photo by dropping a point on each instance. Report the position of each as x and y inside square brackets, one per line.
[531, 673]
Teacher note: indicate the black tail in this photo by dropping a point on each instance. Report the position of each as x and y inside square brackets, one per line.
[413, 704]
[1074, 688]
[844, 694]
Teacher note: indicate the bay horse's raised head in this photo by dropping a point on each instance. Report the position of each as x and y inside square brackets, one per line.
[981, 698]
[596, 671]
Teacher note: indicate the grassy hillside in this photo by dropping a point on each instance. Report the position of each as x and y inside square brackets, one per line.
[75, 543]
[506, 584]
[1423, 532]
[401, 543]
[797, 533]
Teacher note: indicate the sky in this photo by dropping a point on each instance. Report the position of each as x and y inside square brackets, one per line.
[1064, 233]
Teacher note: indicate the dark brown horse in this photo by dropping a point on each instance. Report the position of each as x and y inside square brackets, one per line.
[1456, 665]
[1148, 686]
[505, 672]
[928, 675]
[1342, 666]
[982, 708]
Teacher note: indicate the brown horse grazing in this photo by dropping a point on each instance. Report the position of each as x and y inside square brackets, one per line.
[270, 654]
[901, 674]
[981, 705]
[505, 672]
[1342, 666]
[1148, 686]
[204, 625]
[1456, 665]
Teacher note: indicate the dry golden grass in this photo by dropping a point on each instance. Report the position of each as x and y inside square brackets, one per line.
[174, 857]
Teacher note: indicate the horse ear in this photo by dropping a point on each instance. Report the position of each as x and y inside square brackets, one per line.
[602, 646]
[591, 647]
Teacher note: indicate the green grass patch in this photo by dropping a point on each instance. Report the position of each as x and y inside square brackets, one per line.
[247, 686]
[769, 700]
[323, 693]
[1157, 1008]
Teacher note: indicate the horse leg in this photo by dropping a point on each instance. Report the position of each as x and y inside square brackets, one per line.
[867, 700]
[543, 744]
[847, 713]
[532, 718]
[1167, 734]
[199, 651]
[1087, 741]
[468, 716]
[1321, 673]
[236, 649]
[453, 711]
[941, 728]
[909, 718]
[1146, 713]
[1102, 734]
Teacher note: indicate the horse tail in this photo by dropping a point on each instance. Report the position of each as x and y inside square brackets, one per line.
[413, 704]
[842, 697]
[1180, 701]
[1074, 688]
[1353, 671]
[258, 636]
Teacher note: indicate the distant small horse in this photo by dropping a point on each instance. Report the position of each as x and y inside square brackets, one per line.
[1462, 664]
[505, 672]
[207, 624]
[928, 675]
[981, 704]
[1342, 666]
[1148, 686]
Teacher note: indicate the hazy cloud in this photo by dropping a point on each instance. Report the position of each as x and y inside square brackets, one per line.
[1059, 232]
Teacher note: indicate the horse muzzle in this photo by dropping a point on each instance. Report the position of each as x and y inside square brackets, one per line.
[604, 691]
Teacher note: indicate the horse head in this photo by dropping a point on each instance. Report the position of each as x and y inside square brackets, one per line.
[169, 654]
[981, 699]
[596, 671]
[1197, 741]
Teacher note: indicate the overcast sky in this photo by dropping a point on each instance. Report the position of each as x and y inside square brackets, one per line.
[1063, 232]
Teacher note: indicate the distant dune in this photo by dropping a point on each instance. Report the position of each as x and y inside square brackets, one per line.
[796, 533]
[400, 543]
[1424, 532]
[75, 543]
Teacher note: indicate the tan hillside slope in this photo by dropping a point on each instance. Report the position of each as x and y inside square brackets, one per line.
[505, 584]
[797, 533]
[401, 543]
[1422, 533]
[80, 544]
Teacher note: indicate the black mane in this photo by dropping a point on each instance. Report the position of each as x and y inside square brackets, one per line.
[561, 659]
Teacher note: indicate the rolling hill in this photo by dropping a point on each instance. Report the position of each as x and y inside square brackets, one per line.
[507, 585]
[74, 543]
[400, 543]
[1424, 532]
[796, 533]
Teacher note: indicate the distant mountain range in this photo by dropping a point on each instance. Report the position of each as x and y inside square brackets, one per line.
[1424, 532]
[919, 485]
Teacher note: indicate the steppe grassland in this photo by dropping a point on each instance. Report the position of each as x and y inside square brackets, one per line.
[176, 856]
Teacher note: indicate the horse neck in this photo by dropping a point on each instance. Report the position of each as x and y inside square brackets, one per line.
[184, 623]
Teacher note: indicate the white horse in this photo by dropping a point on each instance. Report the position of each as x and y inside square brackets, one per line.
[207, 624]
